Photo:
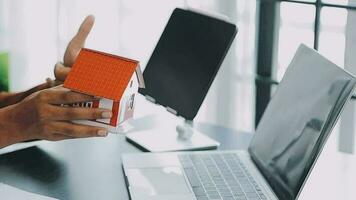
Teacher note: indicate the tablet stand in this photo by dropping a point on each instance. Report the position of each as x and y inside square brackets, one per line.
[185, 131]
[182, 137]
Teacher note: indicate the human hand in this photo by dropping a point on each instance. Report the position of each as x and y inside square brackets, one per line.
[61, 70]
[41, 116]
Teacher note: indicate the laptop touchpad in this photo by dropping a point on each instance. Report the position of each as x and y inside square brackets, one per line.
[157, 181]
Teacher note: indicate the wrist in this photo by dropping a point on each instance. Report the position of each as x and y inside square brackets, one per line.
[10, 132]
[7, 99]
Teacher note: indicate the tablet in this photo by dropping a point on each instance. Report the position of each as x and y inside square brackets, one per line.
[186, 59]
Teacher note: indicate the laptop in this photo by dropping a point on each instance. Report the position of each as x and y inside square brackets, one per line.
[280, 157]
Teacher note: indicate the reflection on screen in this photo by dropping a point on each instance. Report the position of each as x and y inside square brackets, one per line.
[298, 119]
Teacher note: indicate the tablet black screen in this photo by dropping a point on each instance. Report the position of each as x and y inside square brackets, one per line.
[186, 59]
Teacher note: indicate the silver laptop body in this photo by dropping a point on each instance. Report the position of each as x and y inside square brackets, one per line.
[285, 147]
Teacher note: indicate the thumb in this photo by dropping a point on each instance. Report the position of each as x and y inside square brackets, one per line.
[78, 41]
[61, 72]
[84, 30]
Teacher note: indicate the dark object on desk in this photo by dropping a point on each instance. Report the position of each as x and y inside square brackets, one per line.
[186, 59]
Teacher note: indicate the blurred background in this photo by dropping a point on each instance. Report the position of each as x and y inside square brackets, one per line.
[34, 34]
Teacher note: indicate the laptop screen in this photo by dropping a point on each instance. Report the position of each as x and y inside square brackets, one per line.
[298, 120]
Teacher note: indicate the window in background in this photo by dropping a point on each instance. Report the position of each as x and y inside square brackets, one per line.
[29, 34]
[105, 33]
[4, 54]
[337, 2]
[3, 27]
[332, 34]
[347, 137]
[230, 101]
[243, 91]
[293, 31]
[322, 26]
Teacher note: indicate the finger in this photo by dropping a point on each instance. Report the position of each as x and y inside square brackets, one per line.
[78, 113]
[61, 71]
[60, 95]
[53, 83]
[78, 131]
[78, 41]
[84, 30]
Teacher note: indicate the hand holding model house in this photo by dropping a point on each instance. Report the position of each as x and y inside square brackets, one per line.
[114, 80]
[103, 75]
[109, 84]
[37, 113]
[109, 77]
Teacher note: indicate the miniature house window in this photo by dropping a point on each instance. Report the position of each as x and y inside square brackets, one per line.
[132, 98]
[89, 104]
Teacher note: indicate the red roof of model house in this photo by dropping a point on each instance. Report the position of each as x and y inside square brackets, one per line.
[102, 75]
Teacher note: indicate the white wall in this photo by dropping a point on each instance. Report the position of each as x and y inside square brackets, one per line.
[31, 40]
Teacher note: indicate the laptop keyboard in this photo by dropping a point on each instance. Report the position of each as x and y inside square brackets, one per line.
[220, 176]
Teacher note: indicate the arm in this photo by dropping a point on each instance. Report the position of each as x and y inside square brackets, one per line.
[7, 99]
[7, 135]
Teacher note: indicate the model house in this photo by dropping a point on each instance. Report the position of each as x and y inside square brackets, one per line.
[113, 79]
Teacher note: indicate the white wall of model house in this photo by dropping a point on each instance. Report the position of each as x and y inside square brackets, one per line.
[126, 107]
